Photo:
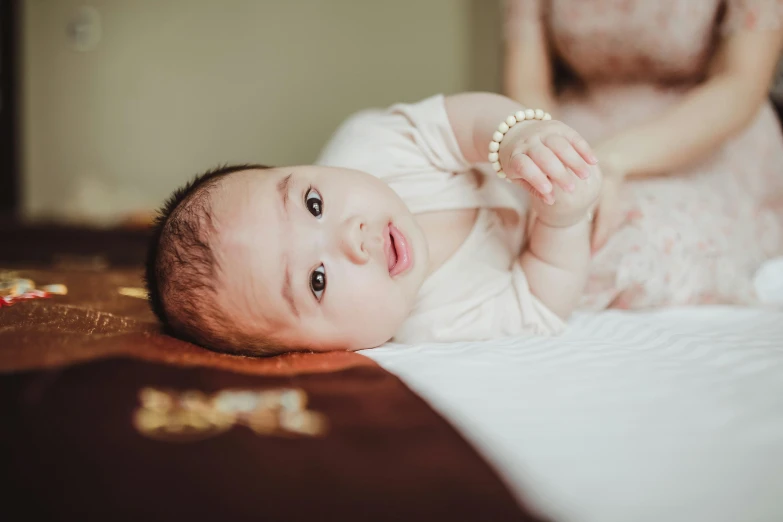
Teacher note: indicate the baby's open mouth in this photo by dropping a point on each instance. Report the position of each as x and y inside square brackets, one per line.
[398, 256]
[391, 251]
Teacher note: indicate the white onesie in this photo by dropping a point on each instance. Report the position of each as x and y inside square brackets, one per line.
[481, 291]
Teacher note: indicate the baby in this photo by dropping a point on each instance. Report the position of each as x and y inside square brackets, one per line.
[407, 228]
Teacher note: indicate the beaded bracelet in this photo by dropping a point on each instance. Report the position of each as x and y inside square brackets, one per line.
[503, 128]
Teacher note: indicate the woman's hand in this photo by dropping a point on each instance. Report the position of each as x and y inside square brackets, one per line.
[606, 214]
[539, 154]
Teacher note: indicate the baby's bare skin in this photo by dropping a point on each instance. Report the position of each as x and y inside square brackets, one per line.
[569, 208]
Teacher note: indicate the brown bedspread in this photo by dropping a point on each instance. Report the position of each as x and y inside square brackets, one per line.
[73, 370]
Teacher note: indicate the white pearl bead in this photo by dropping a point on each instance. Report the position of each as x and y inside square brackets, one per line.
[498, 136]
[493, 156]
[547, 116]
[511, 121]
[530, 114]
[503, 127]
[539, 114]
[494, 146]
[496, 166]
[520, 115]
[501, 174]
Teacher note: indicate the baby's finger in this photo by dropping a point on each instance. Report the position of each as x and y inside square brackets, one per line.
[551, 166]
[522, 167]
[565, 151]
[583, 148]
[548, 199]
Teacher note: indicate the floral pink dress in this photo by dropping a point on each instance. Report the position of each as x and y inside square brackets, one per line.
[698, 235]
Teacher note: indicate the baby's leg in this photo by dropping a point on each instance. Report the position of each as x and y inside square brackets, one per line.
[556, 263]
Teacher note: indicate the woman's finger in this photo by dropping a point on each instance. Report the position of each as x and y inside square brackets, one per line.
[552, 167]
[524, 168]
[604, 221]
[568, 155]
[600, 231]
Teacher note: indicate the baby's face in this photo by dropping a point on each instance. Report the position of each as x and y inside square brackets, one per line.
[318, 258]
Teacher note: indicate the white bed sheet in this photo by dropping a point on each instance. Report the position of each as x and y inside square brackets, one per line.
[669, 416]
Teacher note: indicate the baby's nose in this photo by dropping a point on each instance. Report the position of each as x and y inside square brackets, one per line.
[352, 241]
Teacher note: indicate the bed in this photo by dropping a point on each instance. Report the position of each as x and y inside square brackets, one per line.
[673, 415]
[102, 417]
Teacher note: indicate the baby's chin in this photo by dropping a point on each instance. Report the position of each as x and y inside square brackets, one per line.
[341, 340]
[345, 344]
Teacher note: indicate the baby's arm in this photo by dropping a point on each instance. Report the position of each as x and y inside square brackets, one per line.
[557, 259]
[556, 264]
[544, 157]
[534, 154]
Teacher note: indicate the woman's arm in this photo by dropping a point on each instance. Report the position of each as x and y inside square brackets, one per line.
[527, 68]
[737, 85]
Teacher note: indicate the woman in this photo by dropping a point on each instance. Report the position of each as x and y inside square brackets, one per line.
[672, 95]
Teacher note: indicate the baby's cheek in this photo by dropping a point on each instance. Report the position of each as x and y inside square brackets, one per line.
[374, 313]
[378, 306]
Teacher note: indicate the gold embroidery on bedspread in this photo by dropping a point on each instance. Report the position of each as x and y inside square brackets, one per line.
[183, 416]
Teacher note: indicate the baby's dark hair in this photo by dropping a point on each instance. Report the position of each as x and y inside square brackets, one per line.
[181, 270]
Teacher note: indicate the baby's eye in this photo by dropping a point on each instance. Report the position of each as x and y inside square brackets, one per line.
[314, 202]
[318, 282]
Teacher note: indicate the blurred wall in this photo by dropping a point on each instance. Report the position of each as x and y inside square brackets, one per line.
[176, 86]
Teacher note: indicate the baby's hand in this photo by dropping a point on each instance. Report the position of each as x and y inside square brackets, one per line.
[569, 208]
[543, 154]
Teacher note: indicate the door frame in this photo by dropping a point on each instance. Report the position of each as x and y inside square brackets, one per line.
[10, 140]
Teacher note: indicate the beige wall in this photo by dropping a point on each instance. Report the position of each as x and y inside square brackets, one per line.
[176, 86]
